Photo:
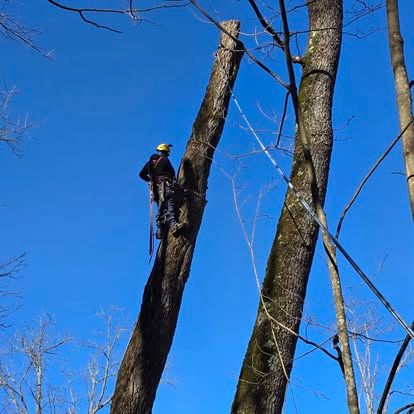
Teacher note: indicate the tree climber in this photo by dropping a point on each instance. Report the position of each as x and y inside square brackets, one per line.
[160, 173]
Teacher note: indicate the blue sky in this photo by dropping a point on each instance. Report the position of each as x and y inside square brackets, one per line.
[74, 202]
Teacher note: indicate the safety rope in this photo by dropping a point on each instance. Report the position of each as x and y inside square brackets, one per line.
[315, 217]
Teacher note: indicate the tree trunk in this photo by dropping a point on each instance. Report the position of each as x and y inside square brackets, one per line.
[268, 362]
[147, 351]
[347, 364]
[402, 88]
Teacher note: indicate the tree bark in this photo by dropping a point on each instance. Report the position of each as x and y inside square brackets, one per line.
[268, 362]
[402, 87]
[347, 364]
[147, 351]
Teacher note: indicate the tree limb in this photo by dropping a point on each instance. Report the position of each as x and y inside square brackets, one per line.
[365, 179]
[393, 372]
[266, 25]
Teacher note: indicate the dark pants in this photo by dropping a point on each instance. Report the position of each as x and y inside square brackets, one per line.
[164, 197]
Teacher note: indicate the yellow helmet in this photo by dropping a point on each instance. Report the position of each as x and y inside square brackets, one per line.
[165, 148]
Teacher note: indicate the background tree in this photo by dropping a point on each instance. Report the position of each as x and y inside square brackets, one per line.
[14, 130]
[403, 90]
[268, 361]
[30, 382]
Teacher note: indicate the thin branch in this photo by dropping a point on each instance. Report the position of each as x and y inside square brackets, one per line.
[370, 172]
[12, 29]
[239, 44]
[13, 132]
[82, 11]
[393, 372]
[13, 265]
[365, 11]
[130, 11]
[250, 244]
[406, 407]
[266, 25]
[279, 134]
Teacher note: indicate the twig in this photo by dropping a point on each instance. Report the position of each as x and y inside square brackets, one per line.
[82, 11]
[266, 25]
[250, 244]
[130, 11]
[240, 44]
[406, 407]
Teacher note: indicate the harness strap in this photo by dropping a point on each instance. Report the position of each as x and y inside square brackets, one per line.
[154, 178]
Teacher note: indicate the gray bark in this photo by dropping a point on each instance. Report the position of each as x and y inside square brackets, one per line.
[147, 351]
[268, 362]
[405, 109]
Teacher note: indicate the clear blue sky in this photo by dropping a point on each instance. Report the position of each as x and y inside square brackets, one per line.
[74, 202]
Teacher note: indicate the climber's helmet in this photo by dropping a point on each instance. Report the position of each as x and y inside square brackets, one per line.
[164, 149]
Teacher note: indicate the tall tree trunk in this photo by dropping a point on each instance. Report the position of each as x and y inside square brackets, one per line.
[147, 351]
[347, 364]
[268, 362]
[402, 88]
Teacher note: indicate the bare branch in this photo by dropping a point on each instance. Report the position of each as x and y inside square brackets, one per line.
[103, 367]
[250, 244]
[406, 407]
[393, 372]
[240, 44]
[26, 383]
[370, 172]
[133, 13]
[266, 25]
[12, 132]
[13, 265]
[365, 10]
[12, 29]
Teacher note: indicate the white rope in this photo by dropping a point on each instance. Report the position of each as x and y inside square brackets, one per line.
[315, 217]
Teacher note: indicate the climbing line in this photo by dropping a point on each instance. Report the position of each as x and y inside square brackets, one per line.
[315, 217]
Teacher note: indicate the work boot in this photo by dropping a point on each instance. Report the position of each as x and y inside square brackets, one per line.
[176, 229]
